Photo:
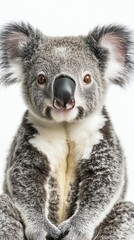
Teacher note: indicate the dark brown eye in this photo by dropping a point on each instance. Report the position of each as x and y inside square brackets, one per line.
[41, 79]
[87, 79]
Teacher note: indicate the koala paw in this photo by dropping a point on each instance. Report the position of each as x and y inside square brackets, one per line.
[42, 232]
[35, 234]
[73, 230]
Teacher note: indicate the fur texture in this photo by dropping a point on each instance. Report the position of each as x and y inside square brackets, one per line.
[66, 171]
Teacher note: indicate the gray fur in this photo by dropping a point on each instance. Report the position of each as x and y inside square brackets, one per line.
[98, 178]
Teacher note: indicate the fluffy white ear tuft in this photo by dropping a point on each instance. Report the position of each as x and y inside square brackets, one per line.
[117, 56]
[17, 43]
[114, 45]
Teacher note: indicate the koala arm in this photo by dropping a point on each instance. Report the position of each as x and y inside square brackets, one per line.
[101, 185]
[26, 177]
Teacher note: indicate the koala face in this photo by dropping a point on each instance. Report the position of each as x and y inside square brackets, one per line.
[64, 79]
[70, 60]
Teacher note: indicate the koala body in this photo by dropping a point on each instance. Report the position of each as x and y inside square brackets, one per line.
[66, 173]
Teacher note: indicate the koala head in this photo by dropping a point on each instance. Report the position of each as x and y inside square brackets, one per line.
[65, 79]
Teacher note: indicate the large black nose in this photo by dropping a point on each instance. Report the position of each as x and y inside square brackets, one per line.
[64, 88]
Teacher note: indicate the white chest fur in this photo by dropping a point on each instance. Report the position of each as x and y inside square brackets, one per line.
[52, 142]
[64, 145]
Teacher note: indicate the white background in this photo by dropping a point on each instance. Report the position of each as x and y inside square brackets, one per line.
[69, 17]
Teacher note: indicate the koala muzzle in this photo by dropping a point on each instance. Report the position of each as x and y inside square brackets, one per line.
[64, 88]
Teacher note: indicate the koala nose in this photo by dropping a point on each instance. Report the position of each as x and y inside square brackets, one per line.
[64, 88]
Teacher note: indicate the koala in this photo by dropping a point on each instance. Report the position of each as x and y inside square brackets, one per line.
[66, 172]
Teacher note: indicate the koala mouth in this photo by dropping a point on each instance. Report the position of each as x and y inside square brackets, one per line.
[61, 107]
[64, 115]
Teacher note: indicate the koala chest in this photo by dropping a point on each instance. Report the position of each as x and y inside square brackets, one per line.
[61, 184]
[64, 147]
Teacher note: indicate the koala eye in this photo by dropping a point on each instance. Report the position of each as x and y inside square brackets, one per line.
[87, 79]
[41, 79]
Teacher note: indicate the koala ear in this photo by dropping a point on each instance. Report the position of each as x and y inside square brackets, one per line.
[112, 45]
[15, 39]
